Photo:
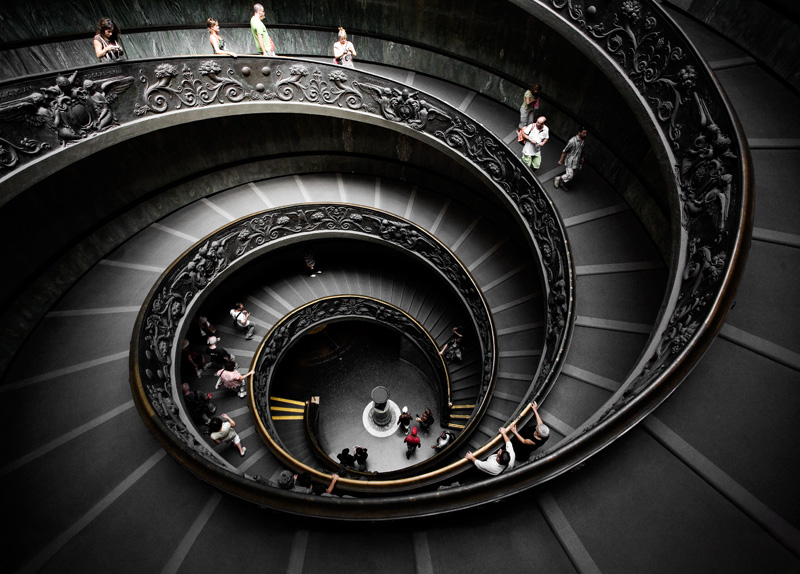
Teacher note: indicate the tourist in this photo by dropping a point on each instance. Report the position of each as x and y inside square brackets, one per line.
[412, 442]
[192, 363]
[426, 420]
[263, 42]
[232, 380]
[198, 404]
[404, 420]
[529, 443]
[360, 458]
[217, 43]
[222, 431]
[345, 458]
[343, 51]
[219, 356]
[452, 348]
[444, 439]
[106, 41]
[241, 319]
[300, 483]
[535, 135]
[311, 264]
[572, 158]
[531, 106]
[495, 464]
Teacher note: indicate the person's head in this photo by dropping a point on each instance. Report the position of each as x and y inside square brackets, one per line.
[536, 88]
[286, 479]
[212, 24]
[542, 431]
[230, 366]
[185, 388]
[238, 306]
[540, 122]
[443, 435]
[215, 424]
[405, 410]
[108, 29]
[503, 458]
[212, 342]
[582, 133]
[303, 479]
[414, 431]
[345, 451]
[342, 35]
[258, 10]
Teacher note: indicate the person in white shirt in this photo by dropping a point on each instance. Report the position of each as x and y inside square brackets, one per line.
[241, 318]
[503, 460]
[222, 431]
[536, 135]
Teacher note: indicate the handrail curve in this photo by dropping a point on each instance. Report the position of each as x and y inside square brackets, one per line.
[297, 323]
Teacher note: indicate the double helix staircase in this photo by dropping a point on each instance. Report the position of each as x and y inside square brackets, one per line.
[685, 490]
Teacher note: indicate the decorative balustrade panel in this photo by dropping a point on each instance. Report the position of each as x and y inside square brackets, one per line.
[45, 115]
[710, 175]
[171, 301]
[343, 307]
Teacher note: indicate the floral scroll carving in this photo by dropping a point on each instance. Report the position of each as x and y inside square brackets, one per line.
[197, 270]
[189, 91]
[666, 73]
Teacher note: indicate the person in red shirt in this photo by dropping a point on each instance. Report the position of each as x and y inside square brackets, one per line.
[412, 442]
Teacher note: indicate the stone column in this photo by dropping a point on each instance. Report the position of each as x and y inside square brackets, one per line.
[381, 413]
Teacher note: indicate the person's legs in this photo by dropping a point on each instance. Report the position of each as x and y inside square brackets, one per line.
[251, 329]
[536, 161]
[238, 442]
[525, 117]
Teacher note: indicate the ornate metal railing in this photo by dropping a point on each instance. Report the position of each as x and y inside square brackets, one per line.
[53, 114]
[161, 323]
[339, 308]
[712, 180]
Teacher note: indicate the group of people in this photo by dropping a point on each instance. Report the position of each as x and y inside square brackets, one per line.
[506, 456]
[194, 362]
[358, 460]
[412, 439]
[533, 133]
[107, 46]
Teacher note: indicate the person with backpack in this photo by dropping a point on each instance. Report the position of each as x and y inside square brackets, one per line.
[241, 318]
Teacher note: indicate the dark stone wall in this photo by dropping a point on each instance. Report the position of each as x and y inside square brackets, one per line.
[107, 186]
[770, 30]
[495, 48]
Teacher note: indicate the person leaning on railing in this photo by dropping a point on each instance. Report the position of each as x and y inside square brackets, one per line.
[541, 432]
[503, 460]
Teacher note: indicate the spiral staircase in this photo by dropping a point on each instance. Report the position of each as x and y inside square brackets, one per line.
[703, 483]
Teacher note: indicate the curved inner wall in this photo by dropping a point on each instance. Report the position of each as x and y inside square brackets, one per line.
[449, 42]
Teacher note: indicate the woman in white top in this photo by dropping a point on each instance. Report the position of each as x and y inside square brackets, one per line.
[106, 41]
[344, 51]
[217, 43]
